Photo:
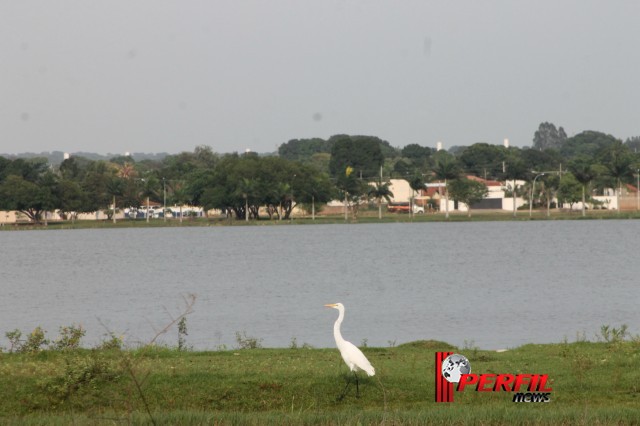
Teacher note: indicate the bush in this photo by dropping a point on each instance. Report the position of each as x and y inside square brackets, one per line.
[69, 338]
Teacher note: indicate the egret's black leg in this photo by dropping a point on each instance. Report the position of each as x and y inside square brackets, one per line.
[344, 392]
[357, 387]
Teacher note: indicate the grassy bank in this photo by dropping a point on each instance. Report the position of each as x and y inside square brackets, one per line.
[593, 383]
[365, 216]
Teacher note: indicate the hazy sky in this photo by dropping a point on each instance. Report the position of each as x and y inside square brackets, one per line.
[159, 75]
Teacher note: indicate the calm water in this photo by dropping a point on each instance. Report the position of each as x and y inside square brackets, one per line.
[497, 284]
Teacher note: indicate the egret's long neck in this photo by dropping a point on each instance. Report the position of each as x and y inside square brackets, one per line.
[336, 327]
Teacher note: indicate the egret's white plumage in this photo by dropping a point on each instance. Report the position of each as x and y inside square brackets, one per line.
[353, 357]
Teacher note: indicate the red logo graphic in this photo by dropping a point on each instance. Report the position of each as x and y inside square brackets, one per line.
[453, 368]
[444, 388]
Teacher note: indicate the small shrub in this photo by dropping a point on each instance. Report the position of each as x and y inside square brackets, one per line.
[581, 337]
[69, 338]
[81, 373]
[294, 344]
[182, 332]
[14, 340]
[614, 335]
[111, 342]
[34, 342]
[247, 342]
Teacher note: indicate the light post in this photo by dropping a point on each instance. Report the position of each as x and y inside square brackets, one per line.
[531, 193]
[164, 199]
[144, 183]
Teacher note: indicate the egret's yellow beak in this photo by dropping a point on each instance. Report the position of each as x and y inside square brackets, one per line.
[330, 305]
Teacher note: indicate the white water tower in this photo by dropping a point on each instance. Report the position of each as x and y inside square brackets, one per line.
[506, 142]
[438, 146]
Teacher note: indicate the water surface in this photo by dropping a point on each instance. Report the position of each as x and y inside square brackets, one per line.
[491, 284]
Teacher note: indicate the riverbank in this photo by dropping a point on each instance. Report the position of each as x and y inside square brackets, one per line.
[365, 216]
[591, 383]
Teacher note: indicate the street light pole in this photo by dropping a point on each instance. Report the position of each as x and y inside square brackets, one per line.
[164, 200]
[531, 193]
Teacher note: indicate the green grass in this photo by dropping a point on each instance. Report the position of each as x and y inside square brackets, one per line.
[593, 383]
[365, 216]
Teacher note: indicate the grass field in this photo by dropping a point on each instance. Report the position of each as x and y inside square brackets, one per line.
[592, 382]
[365, 216]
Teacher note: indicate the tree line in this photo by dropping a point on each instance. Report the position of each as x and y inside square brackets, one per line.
[309, 172]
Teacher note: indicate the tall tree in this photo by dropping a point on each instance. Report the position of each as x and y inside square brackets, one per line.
[483, 160]
[619, 162]
[547, 136]
[362, 154]
[468, 191]
[18, 193]
[446, 168]
[584, 172]
[380, 190]
[515, 169]
[586, 144]
[570, 190]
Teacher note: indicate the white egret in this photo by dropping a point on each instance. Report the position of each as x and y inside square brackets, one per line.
[353, 357]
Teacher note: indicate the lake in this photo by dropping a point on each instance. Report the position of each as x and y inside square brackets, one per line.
[486, 284]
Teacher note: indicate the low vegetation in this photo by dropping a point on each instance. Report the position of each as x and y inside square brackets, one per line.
[365, 216]
[60, 382]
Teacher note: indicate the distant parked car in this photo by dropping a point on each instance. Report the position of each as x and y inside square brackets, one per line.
[403, 208]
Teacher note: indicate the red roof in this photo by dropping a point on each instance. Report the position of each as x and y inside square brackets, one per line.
[485, 181]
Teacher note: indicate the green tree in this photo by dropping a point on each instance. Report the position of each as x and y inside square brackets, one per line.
[547, 136]
[633, 143]
[468, 191]
[570, 190]
[483, 160]
[380, 190]
[588, 144]
[417, 155]
[115, 187]
[446, 168]
[17, 193]
[303, 149]
[361, 153]
[150, 188]
[416, 183]
[72, 198]
[620, 165]
[28, 187]
[515, 168]
[95, 185]
[312, 188]
[550, 183]
[584, 172]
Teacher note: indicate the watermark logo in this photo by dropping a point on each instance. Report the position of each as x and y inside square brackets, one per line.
[451, 369]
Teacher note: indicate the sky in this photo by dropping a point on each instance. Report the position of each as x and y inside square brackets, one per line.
[169, 75]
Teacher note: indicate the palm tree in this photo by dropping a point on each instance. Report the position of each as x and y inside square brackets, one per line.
[619, 165]
[551, 184]
[246, 188]
[149, 189]
[446, 168]
[515, 169]
[115, 187]
[416, 183]
[583, 171]
[379, 191]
